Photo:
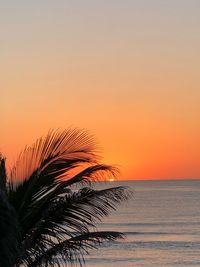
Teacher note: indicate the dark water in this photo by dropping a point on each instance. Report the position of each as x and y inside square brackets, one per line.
[161, 223]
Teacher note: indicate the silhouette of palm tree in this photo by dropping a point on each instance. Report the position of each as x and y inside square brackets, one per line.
[52, 202]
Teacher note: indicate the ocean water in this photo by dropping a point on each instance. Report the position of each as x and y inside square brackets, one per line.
[161, 223]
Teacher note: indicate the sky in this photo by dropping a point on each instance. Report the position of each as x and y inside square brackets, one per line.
[127, 71]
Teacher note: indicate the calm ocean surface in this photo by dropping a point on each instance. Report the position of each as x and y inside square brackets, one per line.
[161, 223]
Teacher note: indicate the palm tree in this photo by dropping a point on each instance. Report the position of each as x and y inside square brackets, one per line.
[54, 207]
[8, 224]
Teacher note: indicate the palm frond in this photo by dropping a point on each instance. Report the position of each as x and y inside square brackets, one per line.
[74, 249]
[48, 154]
[57, 219]
[74, 212]
[43, 199]
[41, 166]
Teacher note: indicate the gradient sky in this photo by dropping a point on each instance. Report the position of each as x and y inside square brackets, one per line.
[128, 71]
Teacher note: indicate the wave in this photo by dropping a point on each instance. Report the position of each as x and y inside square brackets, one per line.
[151, 233]
[180, 223]
[150, 245]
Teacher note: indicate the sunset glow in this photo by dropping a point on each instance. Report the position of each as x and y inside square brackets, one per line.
[128, 73]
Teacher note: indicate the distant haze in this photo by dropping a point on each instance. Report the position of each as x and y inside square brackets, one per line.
[128, 71]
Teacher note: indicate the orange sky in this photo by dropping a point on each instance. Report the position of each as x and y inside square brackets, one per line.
[128, 71]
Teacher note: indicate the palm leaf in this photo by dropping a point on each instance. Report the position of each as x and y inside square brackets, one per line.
[74, 249]
[41, 166]
[74, 212]
[57, 220]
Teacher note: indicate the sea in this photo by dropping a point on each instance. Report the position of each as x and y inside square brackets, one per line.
[161, 224]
